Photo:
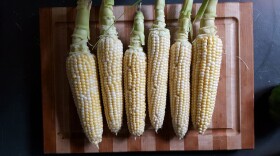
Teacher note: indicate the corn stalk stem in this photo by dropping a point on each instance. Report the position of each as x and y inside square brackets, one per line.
[159, 14]
[207, 23]
[107, 19]
[185, 21]
[81, 32]
[137, 35]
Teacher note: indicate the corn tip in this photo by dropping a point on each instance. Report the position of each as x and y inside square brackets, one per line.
[97, 146]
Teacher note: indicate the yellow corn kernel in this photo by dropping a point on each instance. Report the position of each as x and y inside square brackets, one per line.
[158, 58]
[207, 58]
[135, 90]
[110, 57]
[179, 83]
[82, 76]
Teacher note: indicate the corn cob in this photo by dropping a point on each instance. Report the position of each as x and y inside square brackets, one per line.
[135, 78]
[158, 58]
[110, 57]
[179, 69]
[207, 57]
[82, 75]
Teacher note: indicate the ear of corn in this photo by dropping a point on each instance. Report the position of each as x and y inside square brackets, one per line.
[158, 58]
[82, 75]
[179, 70]
[135, 78]
[207, 57]
[110, 57]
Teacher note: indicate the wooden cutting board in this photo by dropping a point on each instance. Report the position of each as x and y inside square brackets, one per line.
[232, 126]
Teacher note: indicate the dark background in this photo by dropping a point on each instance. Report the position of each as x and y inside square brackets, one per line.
[20, 88]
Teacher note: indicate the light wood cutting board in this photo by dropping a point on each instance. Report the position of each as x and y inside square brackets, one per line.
[232, 126]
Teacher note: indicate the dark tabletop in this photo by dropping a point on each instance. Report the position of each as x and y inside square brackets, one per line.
[21, 130]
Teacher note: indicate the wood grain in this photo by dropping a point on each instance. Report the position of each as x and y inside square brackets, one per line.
[47, 81]
[232, 125]
[247, 79]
